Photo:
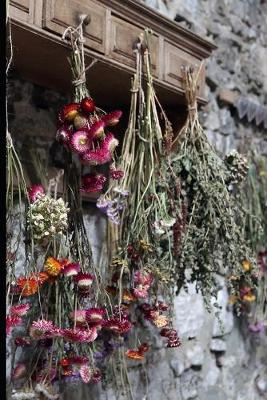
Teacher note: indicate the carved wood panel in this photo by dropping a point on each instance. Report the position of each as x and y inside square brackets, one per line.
[122, 38]
[174, 59]
[23, 10]
[59, 14]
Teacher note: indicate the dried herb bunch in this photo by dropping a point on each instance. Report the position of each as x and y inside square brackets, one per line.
[209, 220]
[254, 200]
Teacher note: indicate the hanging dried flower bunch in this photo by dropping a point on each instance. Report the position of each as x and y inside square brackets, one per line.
[136, 204]
[253, 198]
[58, 312]
[208, 237]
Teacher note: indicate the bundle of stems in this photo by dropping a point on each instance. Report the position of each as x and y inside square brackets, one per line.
[211, 238]
[254, 199]
[142, 160]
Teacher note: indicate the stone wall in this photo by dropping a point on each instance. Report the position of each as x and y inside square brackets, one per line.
[210, 365]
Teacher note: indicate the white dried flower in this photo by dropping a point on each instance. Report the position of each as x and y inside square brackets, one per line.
[48, 217]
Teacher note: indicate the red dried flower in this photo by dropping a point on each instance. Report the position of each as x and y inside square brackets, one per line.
[118, 326]
[11, 322]
[96, 157]
[84, 280]
[71, 269]
[168, 332]
[143, 348]
[110, 143]
[173, 342]
[96, 376]
[20, 342]
[115, 174]
[95, 314]
[63, 134]
[69, 112]
[96, 131]
[79, 335]
[112, 118]
[35, 191]
[93, 183]
[88, 105]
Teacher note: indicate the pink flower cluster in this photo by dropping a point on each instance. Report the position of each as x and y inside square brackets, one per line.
[15, 317]
[143, 282]
[82, 130]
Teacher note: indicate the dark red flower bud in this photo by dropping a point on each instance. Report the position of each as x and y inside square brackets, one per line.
[88, 105]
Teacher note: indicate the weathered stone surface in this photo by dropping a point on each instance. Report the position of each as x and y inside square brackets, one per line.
[218, 345]
[189, 312]
[239, 29]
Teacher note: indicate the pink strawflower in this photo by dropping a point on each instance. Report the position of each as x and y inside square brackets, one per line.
[93, 183]
[86, 373]
[20, 310]
[96, 376]
[80, 142]
[257, 327]
[96, 131]
[110, 143]
[21, 341]
[84, 280]
[11, 322]
[71, 269]
[143, 278]
[78, 316]
[78, 360]
[96, 157]
[63, 135]
[80, 335]
[141, 292]
[162, 306]
[19, 371]
[42, 329]
[115, 174]
[118, 326]
[112, 118]
[35, 191]
[169, 333]
[173, 343]
[95, 314]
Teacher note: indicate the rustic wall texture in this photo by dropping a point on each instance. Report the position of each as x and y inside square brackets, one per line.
[209, 365]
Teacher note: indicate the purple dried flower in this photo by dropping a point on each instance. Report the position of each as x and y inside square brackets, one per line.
[257, 327]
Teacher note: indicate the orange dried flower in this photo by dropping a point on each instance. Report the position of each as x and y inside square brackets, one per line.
[127, 295]
[52, 266]
[28, 286]
[232, 299]
[134, 355]
[42, 277]
[249, 297]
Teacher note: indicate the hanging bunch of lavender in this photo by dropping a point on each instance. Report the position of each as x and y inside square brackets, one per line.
[208, 237]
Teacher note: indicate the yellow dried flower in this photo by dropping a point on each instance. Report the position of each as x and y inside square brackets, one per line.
[145, 245]
[249, 297]
[246, 265]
